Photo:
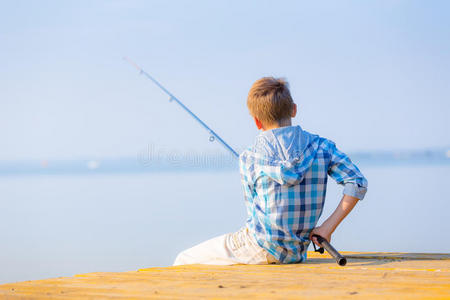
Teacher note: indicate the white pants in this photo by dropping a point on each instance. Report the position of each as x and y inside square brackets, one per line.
[228, 249]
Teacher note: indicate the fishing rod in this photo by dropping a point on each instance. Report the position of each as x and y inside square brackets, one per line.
[340, 260]
[213, 136]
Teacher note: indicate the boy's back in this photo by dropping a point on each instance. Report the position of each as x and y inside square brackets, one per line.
[284, 175]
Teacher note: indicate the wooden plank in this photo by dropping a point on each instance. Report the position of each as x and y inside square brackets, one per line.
[367, 275]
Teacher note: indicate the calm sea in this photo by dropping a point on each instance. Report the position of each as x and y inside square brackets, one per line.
[60, 225]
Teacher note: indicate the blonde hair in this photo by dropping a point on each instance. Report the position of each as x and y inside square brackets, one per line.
[269, 100]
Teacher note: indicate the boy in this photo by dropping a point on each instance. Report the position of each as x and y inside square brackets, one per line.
[284, 174]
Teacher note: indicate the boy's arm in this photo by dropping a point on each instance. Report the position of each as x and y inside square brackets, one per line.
[245, 176]
[344, 172]
[327, 228]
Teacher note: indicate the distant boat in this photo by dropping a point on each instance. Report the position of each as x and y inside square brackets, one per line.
[44, 164]
[93, 164]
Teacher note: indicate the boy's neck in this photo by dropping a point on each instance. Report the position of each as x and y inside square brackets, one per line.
[281, 123]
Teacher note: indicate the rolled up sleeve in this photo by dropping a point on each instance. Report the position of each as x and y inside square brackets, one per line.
[355, 190]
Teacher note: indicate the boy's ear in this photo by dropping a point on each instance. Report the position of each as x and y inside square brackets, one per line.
[258, 123]
[294, 110]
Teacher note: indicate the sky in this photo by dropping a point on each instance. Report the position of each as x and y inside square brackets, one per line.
[369, 75]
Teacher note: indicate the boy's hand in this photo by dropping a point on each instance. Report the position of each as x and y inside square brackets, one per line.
[323, 232]
[329, 226]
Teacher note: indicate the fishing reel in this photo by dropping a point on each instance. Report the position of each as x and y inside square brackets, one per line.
[321, 250]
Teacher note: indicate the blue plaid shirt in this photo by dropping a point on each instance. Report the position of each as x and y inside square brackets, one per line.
[284, 174]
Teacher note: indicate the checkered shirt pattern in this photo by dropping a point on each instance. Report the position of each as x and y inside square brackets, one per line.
[285, 196]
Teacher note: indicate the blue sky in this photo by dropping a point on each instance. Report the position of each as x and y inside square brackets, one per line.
[369, 75]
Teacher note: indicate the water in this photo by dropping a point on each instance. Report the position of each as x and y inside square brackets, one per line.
[61, 225]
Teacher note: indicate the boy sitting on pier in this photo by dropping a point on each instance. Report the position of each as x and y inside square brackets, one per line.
[284, 174]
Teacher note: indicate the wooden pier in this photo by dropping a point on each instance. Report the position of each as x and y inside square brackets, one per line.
[367, 275]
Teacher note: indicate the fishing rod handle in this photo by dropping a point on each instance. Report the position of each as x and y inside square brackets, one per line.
[341, 260]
